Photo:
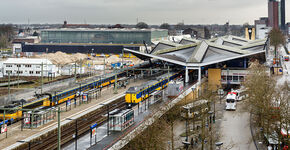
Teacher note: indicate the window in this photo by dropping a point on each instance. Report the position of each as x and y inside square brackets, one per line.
[8, 71]
[37, 72]
[19, 72]
[235, 78]
[223, 78]
[28, 66]
[18, 65]
[30, 72]
[229, 78]
[242, 78]
[8, 65]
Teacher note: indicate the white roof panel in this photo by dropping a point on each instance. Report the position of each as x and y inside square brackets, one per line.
[26, 61]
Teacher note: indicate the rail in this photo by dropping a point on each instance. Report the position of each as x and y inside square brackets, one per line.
[49, 140]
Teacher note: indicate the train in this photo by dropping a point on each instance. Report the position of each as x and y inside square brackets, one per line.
[52, 99]
[136, 94]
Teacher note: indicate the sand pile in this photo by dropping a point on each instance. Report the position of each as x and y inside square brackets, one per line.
[63, 58]
[113, 59]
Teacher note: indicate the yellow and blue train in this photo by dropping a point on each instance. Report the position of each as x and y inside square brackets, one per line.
[136, 94]
[52, 99]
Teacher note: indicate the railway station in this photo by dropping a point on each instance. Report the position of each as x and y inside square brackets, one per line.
[117, 104]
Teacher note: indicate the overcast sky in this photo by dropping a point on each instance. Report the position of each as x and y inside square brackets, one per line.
[127, 11]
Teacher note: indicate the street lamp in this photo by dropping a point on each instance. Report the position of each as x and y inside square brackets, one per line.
[219, 144]
[76, 131]
[186, 144]
[210, 126]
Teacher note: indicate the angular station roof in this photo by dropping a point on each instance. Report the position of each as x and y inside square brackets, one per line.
[197, 53]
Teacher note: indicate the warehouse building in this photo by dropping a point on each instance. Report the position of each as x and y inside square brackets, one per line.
[29, 49]
[104, 36]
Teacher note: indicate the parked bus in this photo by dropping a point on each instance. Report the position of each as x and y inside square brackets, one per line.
[231, 101]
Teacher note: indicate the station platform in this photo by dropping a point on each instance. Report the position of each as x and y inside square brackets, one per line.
[103, 141]
[15, 134]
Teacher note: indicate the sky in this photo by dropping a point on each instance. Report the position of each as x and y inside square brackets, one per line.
[129, 11]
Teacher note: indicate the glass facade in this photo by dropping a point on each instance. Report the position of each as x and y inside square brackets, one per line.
[100, 36]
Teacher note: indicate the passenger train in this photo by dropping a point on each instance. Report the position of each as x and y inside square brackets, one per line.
[52, 99]
[136, 94]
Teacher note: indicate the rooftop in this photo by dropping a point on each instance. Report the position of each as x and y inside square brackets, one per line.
[26, 61]
[204, 52]
[105, 29]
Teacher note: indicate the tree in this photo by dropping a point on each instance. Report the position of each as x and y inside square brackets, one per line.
[6, 35]
[276, 39]
[268, 101]
[3, 41]
[35, 33]
[180, 26]
[7, 31]
[171, 116]
[142, 25]
[165, 26]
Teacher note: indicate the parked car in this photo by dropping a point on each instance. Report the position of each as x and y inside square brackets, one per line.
[286, 58]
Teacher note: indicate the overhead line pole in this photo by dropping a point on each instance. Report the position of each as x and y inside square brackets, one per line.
[18, 78]
[58, 129]
[41, 77]
[9, 96]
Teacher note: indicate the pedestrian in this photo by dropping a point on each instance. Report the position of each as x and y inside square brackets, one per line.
[191, 142]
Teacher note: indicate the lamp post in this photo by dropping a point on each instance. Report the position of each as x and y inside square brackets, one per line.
[115, 84]
[219, 144]
[210, 126]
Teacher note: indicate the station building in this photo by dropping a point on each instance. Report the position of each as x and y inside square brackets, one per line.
[224, 60]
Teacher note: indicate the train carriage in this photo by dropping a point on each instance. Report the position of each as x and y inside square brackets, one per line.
[138, 93]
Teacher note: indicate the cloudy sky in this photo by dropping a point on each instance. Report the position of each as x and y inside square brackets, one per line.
[127, 11]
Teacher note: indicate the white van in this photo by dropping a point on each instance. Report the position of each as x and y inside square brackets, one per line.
[231, 101]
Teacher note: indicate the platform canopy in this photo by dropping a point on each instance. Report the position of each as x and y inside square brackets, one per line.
[197, 53]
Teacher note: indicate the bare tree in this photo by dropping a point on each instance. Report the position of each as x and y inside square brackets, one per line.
[142, 25]
[276, 39]
[268, 101]
[165, 26]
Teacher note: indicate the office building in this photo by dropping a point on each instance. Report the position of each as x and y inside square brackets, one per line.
[29, 67]
[282, 14]
[273, 14]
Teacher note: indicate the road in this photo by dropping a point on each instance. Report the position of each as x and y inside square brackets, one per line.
[286, 67]
[235, 130]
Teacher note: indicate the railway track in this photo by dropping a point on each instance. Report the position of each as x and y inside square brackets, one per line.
[49, 140]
